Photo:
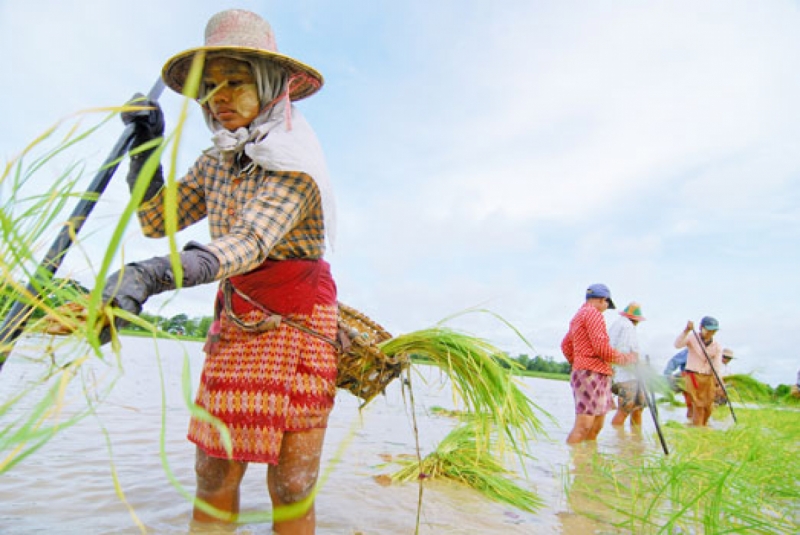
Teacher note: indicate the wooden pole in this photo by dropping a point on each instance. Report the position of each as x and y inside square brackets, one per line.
[14, 323]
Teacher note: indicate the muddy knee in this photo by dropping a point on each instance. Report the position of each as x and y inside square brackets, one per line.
[295, 488]
[214, 474]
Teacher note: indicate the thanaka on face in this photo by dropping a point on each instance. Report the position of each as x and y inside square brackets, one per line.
[233, 96]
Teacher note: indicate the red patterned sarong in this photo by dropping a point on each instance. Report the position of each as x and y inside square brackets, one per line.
[592, 392]
[264, 384]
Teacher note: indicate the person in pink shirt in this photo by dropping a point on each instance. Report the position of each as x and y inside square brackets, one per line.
[700, 377]
[586, 347]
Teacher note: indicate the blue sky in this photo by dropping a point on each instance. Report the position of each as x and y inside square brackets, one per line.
[496, 154]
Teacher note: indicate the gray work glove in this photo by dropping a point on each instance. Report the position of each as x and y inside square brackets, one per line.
[131, 286]
[148, 125]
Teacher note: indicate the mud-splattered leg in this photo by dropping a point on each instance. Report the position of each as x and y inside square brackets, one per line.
[293, 479]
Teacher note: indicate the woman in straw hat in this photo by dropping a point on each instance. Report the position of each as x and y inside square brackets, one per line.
[267, 385]
[720, 397]
[625, 385]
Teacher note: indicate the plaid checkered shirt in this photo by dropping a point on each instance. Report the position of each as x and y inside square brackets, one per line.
[252, 215]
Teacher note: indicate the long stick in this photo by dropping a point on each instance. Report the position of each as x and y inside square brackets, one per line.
[651, 404]
[714, 371]
[15, 321]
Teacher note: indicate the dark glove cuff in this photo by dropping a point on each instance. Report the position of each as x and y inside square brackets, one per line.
[200, 265]
[130, 287]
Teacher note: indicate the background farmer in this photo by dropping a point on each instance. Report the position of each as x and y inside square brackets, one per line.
[704, 352]
[264, 188]
[623, 338]
[587, 348]
[675, 372]
[719, 397]
[727, 356]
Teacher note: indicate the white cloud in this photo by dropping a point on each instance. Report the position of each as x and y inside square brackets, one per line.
[507, 154]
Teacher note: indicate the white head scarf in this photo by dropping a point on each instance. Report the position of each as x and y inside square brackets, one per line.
[279, 139]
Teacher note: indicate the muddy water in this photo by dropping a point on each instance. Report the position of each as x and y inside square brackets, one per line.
[68, 486]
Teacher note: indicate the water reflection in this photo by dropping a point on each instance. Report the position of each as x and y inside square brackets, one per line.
[69, 484]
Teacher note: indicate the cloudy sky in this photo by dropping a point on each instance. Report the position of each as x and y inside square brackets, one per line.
[494, 154]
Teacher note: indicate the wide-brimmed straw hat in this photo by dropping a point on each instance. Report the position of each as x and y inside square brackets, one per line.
[245, 34]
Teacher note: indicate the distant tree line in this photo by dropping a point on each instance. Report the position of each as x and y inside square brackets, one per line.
[179, 324]
[59, 291]
[541, 364]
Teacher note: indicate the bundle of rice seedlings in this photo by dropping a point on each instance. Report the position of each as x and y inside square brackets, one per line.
[32, 412]
[41, 189]
[461, 459]
[745, 388]
[484, 386]
[745, 479]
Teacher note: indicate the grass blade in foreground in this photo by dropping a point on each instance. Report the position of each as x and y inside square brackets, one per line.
[18, 314]
[745, 479]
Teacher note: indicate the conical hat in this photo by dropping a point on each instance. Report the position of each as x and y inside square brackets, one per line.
[246, 34]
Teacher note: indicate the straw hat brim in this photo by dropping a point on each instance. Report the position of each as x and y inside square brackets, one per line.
[305, 79]
[632, 317]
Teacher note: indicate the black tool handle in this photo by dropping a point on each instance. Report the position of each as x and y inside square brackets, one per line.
[17, 317]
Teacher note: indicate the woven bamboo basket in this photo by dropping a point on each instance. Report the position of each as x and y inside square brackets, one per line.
[364, 370]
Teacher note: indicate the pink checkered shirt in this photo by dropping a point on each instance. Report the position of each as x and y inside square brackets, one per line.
[586, 344]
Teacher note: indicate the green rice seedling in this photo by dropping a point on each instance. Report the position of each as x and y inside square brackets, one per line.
[745, 388]
[744, 479]
[787, 395]
[459, 458]
[40, 406]
[479, 381]
[441, 411]
[46, 402]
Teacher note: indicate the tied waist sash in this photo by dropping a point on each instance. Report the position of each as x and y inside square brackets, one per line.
[277, 288]
[284, 287]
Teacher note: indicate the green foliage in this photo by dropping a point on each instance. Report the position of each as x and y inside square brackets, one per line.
[56, 292]
[180, 325]
[31, 216]
[484, 387]
[39, 193]
[544, 364]
[460, 458]
[745, 479]
[746, 389]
